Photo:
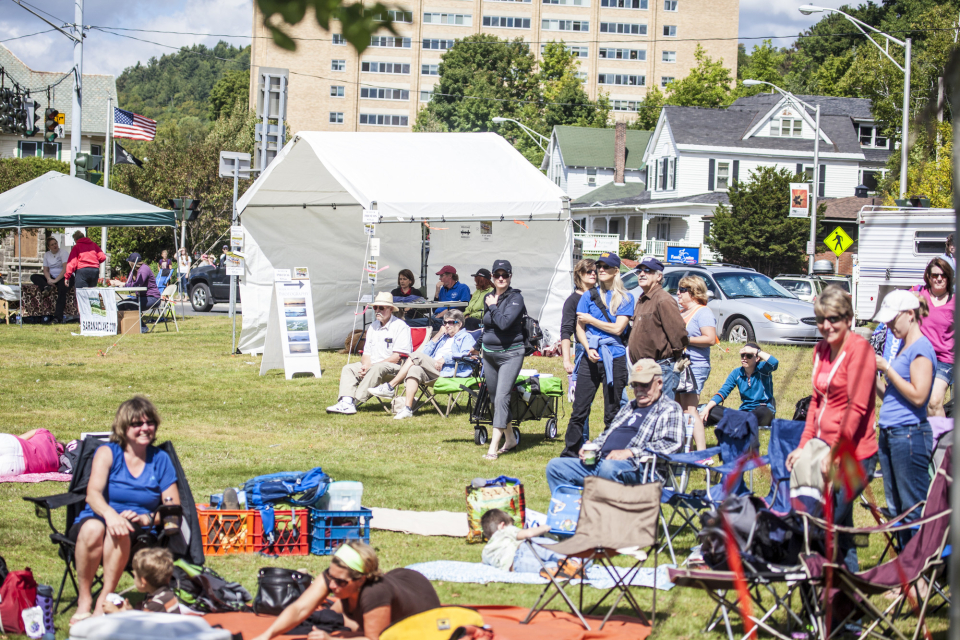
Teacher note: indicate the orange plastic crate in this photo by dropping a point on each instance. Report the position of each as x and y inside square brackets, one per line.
[226, 532]
[290, 533]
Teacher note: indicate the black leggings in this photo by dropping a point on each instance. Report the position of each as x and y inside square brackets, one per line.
[590, 376]
[764, 415]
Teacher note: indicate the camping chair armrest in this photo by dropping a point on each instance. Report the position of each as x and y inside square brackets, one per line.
[474, 363]
[887, 527]
[57, 501]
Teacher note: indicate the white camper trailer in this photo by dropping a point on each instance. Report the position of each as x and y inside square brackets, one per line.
[895, 245]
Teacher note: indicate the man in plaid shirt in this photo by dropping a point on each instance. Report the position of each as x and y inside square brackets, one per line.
[652, 422]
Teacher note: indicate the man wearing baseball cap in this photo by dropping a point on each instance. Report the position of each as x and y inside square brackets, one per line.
[449, 289]
[473, 314]
[651, 422]
[659, 332]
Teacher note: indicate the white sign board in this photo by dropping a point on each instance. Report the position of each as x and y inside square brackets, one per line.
[810, 251]
[291, 341]
[371, 216]
[236, 238]
[68, 235]
[371, 272]
[374, 247]
[98, 312]
[799, 200]
[234, 263]
[598, 243]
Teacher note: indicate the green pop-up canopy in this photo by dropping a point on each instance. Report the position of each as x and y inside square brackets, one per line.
[58, 200]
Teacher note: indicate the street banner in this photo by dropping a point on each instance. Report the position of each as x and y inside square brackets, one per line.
[799, 200]
[291, 341]
[98, 312]
[683, 255]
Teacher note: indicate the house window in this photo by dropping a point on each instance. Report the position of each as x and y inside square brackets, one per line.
[623, 79]
[623, 27]
[29, 149]
[565, 25]
[592, 176]
[390, 42]
[624, 4]
[453, 19]
[96, 150]
[614, 227]
[338, 65]
[51, 150]
[625, 105]
[579, 52]
[669, 56]
[506, 22]
[787, 127]
[405, 17]
[670, 31]
[430, 70]
[372, 93]
[870, 137]
[581, 76]
[385, 67]
[663, 229]
[336, 91]
[439, 44]
[623, 54]
[572, 3]
[336, 117]
[723, 176]
[337, 39]
[870, 178]
[669, 5]
[426, 95]
[665, 80]
[706, 229]
[671, 173]
[383, 120]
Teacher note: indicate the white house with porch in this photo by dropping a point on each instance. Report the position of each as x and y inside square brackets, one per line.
[696, 154]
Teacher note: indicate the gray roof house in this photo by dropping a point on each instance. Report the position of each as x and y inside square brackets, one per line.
[695, 154]
[96, 90]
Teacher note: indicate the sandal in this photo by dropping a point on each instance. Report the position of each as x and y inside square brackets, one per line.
[490, 456]
[79, 617]
[504, 449]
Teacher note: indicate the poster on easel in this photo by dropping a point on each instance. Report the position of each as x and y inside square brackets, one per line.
[291, 341]
[98, 312]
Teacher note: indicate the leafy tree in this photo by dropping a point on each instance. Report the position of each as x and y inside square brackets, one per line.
[232, 87]
[755, 230]
[648, 112]
[765, 63]
[707, 85]
[357, 22]
[929, 168]
[566, 101]
[16, 171]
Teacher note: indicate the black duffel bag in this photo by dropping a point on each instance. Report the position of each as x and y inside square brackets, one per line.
[277, 588]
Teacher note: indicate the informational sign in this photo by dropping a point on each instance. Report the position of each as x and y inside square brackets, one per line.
[61, 118]
[683, 255]
[281, 275]
[371, 216]
[234, 263]
[301, 273]
[98, 312]
[371, 272]
[810, 248]
[68, 235]
[838, 241]
[236, 238]
[486, 231]
[291, 342]
[374, 247]
[799, 200]
[370, 229]
[465, 232]
[598, 243]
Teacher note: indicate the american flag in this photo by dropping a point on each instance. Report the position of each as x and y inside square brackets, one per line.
[133, 126]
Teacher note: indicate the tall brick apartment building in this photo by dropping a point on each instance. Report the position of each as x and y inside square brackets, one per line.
[624, 46]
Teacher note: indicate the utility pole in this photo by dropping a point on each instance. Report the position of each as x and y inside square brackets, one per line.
[234, 164]
[106, 178]
[814, 191]
[76, 115]
[905, 125]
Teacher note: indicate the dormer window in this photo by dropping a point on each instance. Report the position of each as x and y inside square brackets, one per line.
[787, 127]
[592, 176]
[870, 137]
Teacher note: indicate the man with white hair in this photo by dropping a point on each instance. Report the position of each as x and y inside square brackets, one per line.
[387, 342]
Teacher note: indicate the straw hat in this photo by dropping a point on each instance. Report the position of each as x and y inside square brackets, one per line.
[385, 298]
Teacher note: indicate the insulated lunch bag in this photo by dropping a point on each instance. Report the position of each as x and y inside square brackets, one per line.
[503, 493]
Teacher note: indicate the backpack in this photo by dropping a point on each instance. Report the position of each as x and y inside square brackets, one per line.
[296, 488]
[802, 408]
[203, 590]
[19, 592]
[532, 334]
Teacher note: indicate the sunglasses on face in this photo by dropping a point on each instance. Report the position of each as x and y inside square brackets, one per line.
[592, 272]
[450, 323]
[747, 356]
[379, 308]
[500, 275]
[683, 290]
[830, 319]
[645, 270]
[938, 276]
[143, 423]
[336, 582]
[605, 267]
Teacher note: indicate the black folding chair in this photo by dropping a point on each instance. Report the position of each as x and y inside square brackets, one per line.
[75, 499]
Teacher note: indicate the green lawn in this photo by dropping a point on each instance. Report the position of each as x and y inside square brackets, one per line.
[229, 424]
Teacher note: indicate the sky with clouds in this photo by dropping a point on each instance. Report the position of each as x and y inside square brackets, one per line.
[110, 53]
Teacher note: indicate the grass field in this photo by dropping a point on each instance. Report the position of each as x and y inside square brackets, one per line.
[228, 424]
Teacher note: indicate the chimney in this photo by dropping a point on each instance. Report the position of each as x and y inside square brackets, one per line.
[619, 152]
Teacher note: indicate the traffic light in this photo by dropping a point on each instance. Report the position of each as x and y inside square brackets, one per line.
[86, 165]
[7, 123]
[185, 208]
[50, 124]
[33, 123]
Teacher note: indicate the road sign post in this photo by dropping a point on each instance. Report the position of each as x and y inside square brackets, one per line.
[236, 165]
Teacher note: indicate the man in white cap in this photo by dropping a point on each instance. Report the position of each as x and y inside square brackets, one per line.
[387, 342]
[652, 422]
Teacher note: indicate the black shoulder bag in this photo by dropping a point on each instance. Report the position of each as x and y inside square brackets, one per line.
[277, 588]
[598, 300]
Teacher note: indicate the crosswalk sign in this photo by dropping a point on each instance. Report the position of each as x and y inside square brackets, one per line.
[838, 241]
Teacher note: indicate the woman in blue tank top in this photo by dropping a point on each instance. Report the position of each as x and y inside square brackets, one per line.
[129, 480]
[906, 440]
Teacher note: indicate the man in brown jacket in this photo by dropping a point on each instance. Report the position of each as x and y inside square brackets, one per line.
[659, 332]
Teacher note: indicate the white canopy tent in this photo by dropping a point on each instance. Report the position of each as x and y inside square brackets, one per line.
[306, 210]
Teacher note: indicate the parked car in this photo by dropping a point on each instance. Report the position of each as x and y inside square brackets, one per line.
[209, 285]
[805, 287]
[748, 305]
[844, 282]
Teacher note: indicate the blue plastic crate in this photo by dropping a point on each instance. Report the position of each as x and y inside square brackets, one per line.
[330, 529]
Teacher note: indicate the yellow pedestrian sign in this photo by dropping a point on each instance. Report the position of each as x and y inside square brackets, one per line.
[838, 241]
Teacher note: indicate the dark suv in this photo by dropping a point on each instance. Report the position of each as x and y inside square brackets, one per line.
[209, 285]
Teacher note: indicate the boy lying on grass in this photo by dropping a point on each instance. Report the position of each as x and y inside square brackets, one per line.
[505, 549]
[152, 570]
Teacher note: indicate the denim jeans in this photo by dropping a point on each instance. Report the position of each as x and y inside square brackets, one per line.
[572, 471]
[670, 377]
[905, 454]
[525, 560]
[843, 516]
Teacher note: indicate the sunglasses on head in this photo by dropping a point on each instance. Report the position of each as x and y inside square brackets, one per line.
[830, 319]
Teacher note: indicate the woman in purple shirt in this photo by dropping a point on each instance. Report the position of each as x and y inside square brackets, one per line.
[937, 327]
[141, 275]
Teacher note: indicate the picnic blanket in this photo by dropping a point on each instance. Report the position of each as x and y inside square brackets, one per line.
[38, 477]
[476, 572]
[421, 523]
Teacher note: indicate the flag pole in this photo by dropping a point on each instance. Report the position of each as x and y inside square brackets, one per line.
[106, 179]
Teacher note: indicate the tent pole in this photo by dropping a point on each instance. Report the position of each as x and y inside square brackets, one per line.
[20, 272]
[106, 180]
[233, 279]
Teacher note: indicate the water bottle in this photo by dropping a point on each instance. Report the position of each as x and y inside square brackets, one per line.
[45, 602]
[687, 432]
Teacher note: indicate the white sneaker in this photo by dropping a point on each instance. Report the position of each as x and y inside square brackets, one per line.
[342, 406]
[404, 413]
[383, 391]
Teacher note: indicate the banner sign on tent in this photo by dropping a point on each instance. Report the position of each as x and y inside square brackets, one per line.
[98, 312]
[291, 341]
[486, 231]
[236, 238]
[371, 216]
[799, 200]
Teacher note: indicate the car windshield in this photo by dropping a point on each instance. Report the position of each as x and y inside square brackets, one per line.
[747, 284]
[843, 284]
[798, 287]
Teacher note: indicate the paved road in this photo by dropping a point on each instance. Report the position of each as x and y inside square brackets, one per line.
[221, 310]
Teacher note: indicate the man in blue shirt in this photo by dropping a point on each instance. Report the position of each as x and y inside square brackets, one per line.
[449, 289]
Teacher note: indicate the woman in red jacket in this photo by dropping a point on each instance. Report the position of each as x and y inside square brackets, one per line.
[843, 402]
[84, 261]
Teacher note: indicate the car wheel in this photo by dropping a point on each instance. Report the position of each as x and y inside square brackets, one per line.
[200, 297]
[740, 331]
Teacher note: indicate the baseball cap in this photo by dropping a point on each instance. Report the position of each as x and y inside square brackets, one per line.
[609, 259]
[651, 263]
[483, 273]
[894, 303]
[446, 269]
[502, 264]
[644, 370]
[133, 257]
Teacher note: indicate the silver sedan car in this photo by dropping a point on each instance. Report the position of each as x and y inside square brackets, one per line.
[748, 305]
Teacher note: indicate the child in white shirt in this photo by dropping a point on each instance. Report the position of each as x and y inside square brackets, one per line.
[505, 549]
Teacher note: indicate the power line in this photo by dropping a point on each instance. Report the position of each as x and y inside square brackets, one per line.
[29, 35]
[61, 20]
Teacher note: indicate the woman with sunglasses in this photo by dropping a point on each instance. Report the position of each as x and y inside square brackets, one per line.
[905, 383]
[503, 350]
[369, 600]
[843, 404]
[584, 279]
[129, 480]
[602, 317]
[938, 327]
[702, 332]
[754, 380]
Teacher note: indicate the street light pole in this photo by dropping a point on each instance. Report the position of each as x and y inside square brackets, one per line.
[530, 132]
[807, 9]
